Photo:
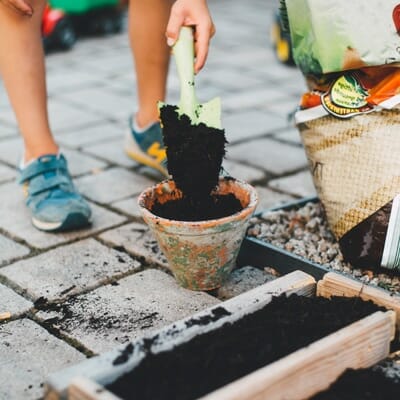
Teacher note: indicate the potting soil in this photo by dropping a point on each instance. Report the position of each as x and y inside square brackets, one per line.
[211, 360]
[194, 154]
[363, 384]
[188, 209]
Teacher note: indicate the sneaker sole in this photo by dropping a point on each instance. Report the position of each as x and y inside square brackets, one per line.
[72, 222]
[135, 152]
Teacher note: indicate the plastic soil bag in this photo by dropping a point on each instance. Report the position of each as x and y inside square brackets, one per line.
[337, 35]
[350, 127]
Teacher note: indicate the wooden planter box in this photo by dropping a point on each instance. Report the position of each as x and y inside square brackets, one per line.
[296, 376]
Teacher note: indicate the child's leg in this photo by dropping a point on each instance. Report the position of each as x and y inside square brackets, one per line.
[51, 197]
[23, 71]
[147, 25]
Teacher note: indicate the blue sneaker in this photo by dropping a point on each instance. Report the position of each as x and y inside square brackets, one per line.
[54, 203]
[147, 147]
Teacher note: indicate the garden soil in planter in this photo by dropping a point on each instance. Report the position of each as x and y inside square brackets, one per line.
[362, 384]
[211, 360]
[304, 231]
[194, 154]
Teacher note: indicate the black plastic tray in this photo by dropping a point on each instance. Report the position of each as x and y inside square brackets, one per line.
[260, 254]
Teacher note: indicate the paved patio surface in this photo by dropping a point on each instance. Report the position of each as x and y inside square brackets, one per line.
[78, 294]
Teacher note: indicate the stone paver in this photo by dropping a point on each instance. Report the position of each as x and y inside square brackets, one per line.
[250, 123]
[11, 150]
[6, 173]
[269, 198]
[108, 103]
[10, 250]
[79, 163]
[93, 134]
[12, 302]
[28, 354]
[128, 206]
[290, 134]
[111, 151]
[15, 219]
[242, 172]
[300, 184]
[68, 270]
[112, 185]
[135, 305]
[243, 279]
[277, 158]
[136, 239]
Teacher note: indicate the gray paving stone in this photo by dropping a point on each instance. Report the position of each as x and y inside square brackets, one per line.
[10, 250]
[269, 198]
[28, 354]
[251, 98]
[247, 124]
[284, 106]
[128, 206]
[232, 79]
[112, 151]
[6, 173]
[103, 102]
[243, 279]
[79, 163]
[138, 304]
[300, 184]
[12, 302]
[11, 150]
[6, 131]
[137, 240]
[61, 80]
[68, 270]
[64, 117]
[290, 134]
[15, 219]
[277, 158]
[112, 185]
[92, 135]
[242, 172]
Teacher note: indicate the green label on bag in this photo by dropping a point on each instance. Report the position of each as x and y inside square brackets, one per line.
[346, 97]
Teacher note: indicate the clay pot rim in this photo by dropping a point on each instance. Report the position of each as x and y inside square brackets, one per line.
[240, 215]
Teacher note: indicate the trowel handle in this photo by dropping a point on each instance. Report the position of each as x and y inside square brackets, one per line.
[183, 50]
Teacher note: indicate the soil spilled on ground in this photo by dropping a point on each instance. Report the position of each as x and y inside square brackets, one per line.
[195, 154]
[216, 358]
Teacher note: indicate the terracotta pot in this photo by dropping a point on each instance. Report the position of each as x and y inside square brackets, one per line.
[201, 254]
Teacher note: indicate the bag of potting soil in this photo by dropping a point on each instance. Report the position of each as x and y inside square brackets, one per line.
[337, 35]
[350, 128]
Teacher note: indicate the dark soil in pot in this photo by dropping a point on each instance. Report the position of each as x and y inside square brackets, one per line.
[211, 360]
[363, 384]
[189, 209]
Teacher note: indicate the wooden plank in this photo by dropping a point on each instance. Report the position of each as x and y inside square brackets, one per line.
[85, 389]
[334, 284]
[311, 369]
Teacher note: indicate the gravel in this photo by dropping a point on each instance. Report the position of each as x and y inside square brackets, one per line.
[305, 232]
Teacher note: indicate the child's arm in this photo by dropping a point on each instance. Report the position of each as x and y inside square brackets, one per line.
[192, 13]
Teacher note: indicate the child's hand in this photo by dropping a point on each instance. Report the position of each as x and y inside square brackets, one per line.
[20, 6]
[192, 13]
